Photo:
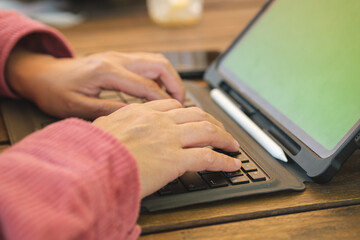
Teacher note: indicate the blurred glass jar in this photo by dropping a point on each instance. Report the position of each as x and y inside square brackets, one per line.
[175, 13]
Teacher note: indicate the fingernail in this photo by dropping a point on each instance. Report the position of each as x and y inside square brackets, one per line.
[236, 144]
[237, 163]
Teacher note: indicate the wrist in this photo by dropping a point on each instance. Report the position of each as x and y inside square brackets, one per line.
[22, 70]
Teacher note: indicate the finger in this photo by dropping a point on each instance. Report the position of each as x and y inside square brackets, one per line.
[164, 105]
[91, 108]
[156, 66]
[139, 86]
[201, 134]
[199, 159]
[193, 114]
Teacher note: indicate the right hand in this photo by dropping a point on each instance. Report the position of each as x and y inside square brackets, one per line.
[168, 140]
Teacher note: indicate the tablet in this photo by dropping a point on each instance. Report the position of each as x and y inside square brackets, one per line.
[300, 66]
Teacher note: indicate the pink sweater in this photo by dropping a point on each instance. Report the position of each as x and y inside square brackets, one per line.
[70, 180]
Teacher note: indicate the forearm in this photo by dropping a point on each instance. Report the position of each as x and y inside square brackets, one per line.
[16, 29]
[69, 181]
[24, 70]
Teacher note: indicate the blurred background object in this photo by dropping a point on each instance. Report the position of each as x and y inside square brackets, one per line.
[50, 11]
[66, 13]
[175, 13]
[104, 8]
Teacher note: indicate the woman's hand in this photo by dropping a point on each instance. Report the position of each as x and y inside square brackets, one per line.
[65, 87]
[168, 140]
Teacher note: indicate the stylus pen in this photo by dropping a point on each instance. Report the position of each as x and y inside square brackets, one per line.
[247, 124]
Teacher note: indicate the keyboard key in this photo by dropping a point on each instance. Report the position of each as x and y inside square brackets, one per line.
[239, 180]
[205, 172]
[131, 99]
[165, 191]
[215, 180]
[108, 94]
[243, 158]
[230, 154]
[249, 167]
[174, 187]
[174, 182]
[193, 182]
[257, 176]
[189, 102]
[233, 174]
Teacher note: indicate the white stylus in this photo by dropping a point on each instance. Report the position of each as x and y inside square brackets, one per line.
[247, 124]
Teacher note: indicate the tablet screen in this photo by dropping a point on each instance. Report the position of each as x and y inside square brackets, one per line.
[300, 64]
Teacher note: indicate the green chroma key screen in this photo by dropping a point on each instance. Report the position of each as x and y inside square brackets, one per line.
[300, 61]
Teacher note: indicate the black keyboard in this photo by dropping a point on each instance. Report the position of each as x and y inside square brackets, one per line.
[249, 172]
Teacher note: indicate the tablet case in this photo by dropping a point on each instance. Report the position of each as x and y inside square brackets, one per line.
[320, 170]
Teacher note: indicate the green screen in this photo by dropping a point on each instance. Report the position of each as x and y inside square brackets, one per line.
[303, 58]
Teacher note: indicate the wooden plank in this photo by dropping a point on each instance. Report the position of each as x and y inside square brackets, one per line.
[337, 223]
[341, 191]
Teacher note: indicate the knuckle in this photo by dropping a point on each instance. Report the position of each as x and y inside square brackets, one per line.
[175, 103]
[133, 106]
[201, 113]
[164, 63]
[99, 64]
[155, 115]
[209, 127]
[209, 156]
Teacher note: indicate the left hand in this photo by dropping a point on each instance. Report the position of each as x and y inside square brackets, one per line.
[65, 87]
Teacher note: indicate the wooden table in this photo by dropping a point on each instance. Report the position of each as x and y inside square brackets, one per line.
[328, 211]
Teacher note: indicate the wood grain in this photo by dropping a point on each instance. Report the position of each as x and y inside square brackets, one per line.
[337, 223]
[235, 218]
[221, 23]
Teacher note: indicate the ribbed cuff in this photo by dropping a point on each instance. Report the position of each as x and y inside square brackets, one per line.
[81, 146]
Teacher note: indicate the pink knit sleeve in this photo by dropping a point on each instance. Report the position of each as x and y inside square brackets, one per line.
[33, 35]
[70, 180]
